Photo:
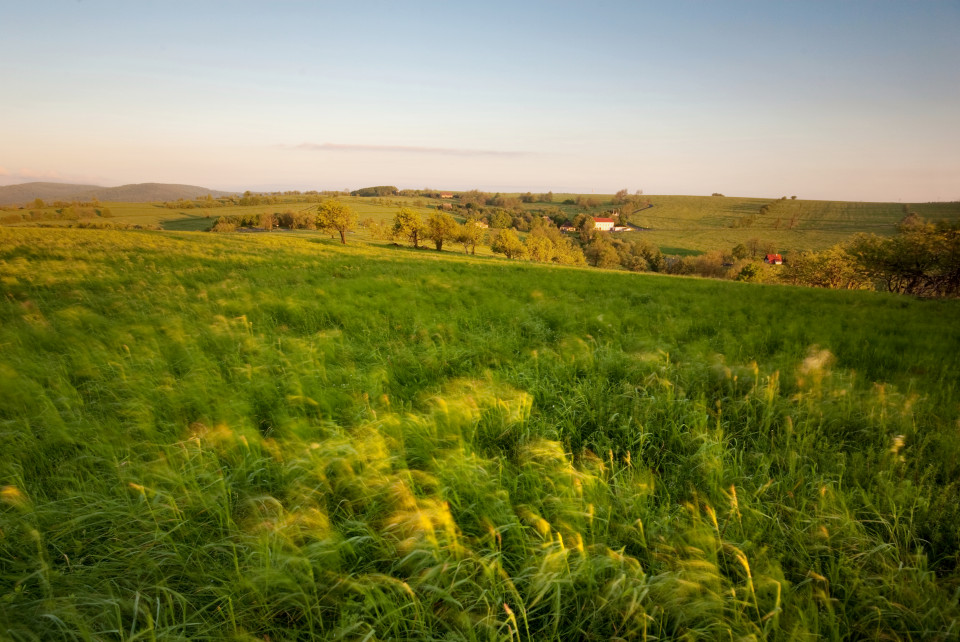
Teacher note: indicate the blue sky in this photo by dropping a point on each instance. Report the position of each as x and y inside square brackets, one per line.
[841, 100]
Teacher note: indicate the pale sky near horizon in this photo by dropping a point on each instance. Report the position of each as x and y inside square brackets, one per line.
[849, 100]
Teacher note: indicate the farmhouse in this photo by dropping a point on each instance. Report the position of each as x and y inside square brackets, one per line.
[603, 224]
[567, 227]
[773, 259]
[446, 195]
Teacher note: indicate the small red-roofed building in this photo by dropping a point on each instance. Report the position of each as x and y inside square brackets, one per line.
[773, 259]
[603, 224]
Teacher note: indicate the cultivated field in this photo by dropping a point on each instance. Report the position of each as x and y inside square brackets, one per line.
[272, 436]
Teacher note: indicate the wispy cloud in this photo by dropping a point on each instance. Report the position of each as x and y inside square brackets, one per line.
[403, 149]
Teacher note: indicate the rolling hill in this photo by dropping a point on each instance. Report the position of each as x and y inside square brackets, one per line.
[133, 193]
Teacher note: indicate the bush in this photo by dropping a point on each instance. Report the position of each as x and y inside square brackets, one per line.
[751, 272]
[223, 225]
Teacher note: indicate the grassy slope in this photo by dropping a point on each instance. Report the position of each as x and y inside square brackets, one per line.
[273, 435]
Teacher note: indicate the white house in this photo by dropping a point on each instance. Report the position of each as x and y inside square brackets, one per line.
[603, 224]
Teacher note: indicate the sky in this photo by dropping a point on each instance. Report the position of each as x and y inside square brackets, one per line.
[847, 100]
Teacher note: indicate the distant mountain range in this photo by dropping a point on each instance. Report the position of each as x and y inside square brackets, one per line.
[135, 193]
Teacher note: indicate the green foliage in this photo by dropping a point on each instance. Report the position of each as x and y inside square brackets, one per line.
[923, 259]
[751, 272]
[546, 244]
[501, 220]
[379, 190]
[601, 253]
[300, 220]
[408, 224]
[470, 234]
[507, 242]
[832, 268]
[441, 227]
[334, 215]
[266, 437]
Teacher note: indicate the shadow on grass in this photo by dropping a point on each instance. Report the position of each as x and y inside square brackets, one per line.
[680, 251]
[189, 224]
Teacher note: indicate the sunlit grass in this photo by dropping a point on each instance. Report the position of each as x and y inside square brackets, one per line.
[274, 436]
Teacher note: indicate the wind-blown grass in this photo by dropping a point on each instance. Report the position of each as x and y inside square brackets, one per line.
[271, 436]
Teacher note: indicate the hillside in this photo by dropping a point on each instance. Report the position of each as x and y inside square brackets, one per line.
[691, 224]
[719, 223]
[272, 436]
[26, 192]
[134, 193]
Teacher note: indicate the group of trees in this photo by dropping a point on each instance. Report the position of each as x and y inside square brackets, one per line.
[439, 228]
[544, 244]
[922, 259]
[209, 201]
[65, 213]
[604, 251]
[377, 190]
[331, 215]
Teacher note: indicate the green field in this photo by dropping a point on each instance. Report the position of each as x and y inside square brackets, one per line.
[197, 219]
[677, 224]
[706, 223]
[273, 436]
[690, 224]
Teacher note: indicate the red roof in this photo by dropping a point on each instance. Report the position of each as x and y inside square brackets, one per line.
[603, 220]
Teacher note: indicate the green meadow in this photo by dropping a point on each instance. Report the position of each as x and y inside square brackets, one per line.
[720, 223]
[276, 437]
[681, 225]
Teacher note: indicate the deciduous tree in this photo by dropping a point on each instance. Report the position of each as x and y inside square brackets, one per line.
[267, 221]
[507, 242]
[501, 220]
[470, 234]
[408, 224]
[441, 227]
[334, 215]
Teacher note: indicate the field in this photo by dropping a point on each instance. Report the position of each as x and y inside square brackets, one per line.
[276, 437]
[681, 225]
[197, 219]
[705, 223]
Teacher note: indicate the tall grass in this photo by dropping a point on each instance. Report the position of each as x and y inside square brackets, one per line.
[273, 437]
